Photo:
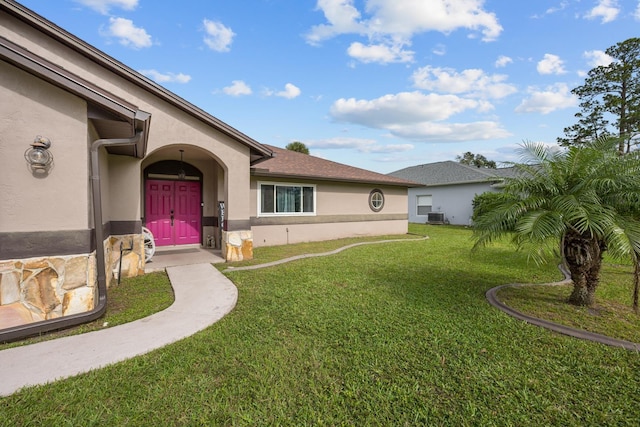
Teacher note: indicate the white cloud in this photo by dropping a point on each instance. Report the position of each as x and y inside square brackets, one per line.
[439, 50]
[128, 34]
[563, 5]
[290, 91]
[342, 17]
[607, 10]
[636, 14]
[404, 107]
[451, 132]
[553, 98]
[596, 58]
[379, 53]
[473, 82]
[103, 6]
[166, 77]
[237, 88]
[414, 115]
[551, 64]
[219, 37]
[503, 61]
[360, 144]
[393, 23]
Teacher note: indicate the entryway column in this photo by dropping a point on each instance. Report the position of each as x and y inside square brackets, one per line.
[237, 245]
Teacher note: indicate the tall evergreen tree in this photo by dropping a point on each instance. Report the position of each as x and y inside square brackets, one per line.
[610, 99]
[298, 146]
[477, 160]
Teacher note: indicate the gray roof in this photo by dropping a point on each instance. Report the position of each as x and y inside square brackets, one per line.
[451, 173]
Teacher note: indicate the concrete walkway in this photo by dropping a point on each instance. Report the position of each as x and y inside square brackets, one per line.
[203, 296]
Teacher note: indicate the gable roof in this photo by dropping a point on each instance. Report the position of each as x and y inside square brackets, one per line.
[15, 9]
[291, 164]
[451, 173]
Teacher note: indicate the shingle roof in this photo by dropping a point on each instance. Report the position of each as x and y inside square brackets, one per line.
[450, 173]
[291, 164]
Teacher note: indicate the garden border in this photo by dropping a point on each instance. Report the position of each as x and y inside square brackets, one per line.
[304, 256]
[491, 296]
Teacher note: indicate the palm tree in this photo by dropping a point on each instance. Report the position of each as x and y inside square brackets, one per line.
[584, 200]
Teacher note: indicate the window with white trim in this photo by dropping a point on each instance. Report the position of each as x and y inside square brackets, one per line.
[286, 199]
[376, 200]
[423, 204]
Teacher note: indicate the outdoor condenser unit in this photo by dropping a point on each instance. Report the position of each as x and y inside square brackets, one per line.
[435, 218]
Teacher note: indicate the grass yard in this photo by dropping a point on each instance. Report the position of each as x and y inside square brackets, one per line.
[393, 334]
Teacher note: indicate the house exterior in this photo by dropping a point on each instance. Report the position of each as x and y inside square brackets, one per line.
[299, 198]
[447, 190]
[92, 151]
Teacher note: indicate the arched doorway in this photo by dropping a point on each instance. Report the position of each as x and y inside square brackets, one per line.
[173, 202]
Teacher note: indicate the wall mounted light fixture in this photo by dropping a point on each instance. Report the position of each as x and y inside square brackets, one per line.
[38, 156]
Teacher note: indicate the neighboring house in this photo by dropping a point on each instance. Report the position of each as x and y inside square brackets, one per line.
[448, 189]
[92, 151]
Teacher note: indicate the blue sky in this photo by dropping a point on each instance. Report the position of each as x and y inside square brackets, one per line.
[376, 84]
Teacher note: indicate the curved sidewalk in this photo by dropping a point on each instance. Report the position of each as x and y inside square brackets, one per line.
[203, 296]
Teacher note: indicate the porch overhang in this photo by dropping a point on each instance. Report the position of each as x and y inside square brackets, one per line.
[111, 116]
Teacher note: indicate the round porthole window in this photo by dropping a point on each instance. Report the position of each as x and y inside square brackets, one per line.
[376, 200]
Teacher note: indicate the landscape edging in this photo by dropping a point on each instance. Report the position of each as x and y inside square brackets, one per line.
[492, 298]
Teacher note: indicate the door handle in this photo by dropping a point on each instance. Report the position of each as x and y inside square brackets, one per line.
[172, 217]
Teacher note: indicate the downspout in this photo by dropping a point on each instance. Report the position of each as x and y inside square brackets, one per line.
[35, 328]
[101, 307]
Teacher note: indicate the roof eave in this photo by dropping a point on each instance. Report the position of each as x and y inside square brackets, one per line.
[265, 174]
[122, 112]
[258, 151]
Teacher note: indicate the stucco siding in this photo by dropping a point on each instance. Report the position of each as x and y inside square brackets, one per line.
[342, 210]
[271, 235]
[454, 200]
[341, 198]
[122, 176]
[59, 200]
[170, 126]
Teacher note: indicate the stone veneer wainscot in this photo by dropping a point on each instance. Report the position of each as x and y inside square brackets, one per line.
[45, 288]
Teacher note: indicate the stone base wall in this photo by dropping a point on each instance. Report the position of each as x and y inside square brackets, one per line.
[46, 288]
[38, 289]
[133, 260]
[237, 245]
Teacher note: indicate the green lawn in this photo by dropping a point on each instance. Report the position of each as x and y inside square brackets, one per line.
[393, 334]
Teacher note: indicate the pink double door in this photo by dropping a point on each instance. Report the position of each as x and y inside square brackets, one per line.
[172, 211]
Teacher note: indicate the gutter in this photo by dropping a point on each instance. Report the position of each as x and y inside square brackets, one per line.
[36, 328]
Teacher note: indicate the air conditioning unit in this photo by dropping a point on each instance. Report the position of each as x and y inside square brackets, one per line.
[435, 218]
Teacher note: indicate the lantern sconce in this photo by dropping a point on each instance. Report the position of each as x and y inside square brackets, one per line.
[39, 157]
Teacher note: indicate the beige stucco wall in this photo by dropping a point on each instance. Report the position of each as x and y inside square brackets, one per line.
[31, 107]
[123, 201]
[336, 198]
[272, 235]
[169, 127]
[342, 210]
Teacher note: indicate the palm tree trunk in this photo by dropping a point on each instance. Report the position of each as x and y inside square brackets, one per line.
[583, 254]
